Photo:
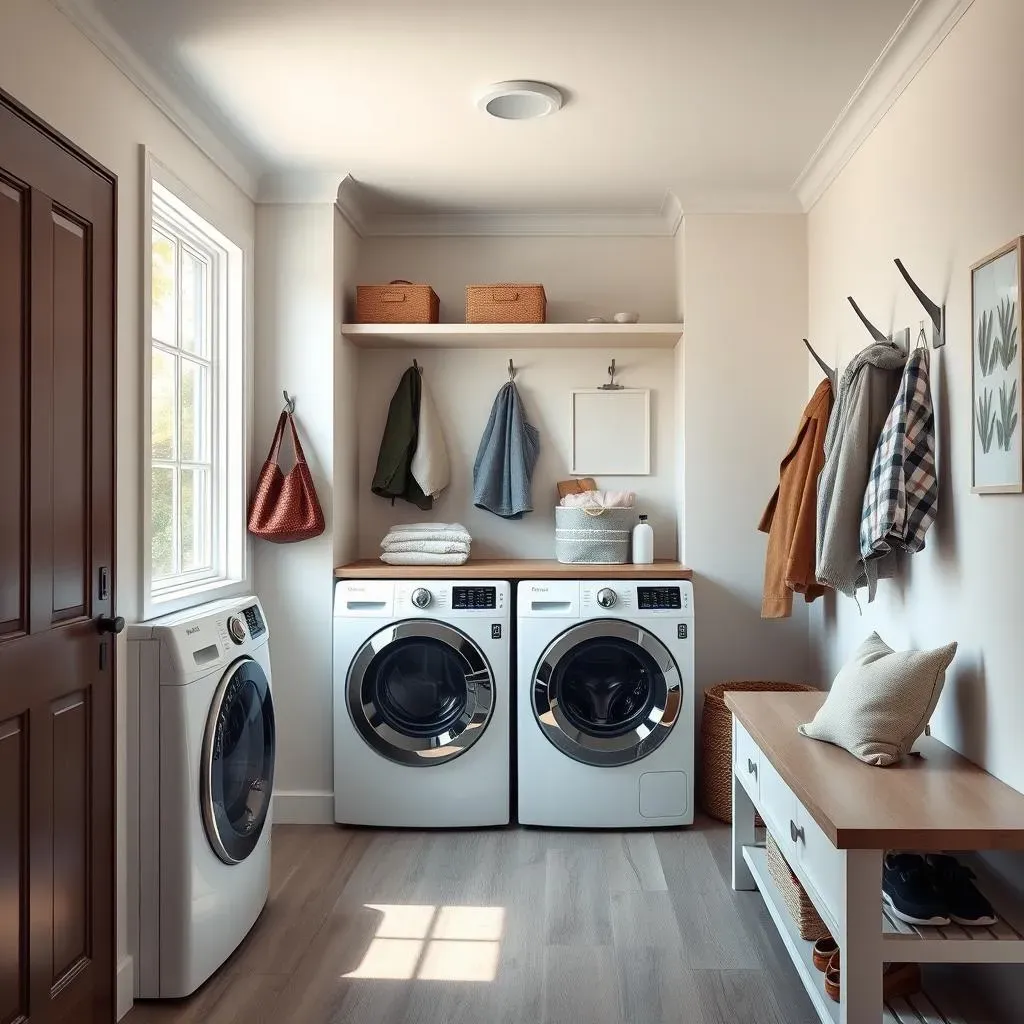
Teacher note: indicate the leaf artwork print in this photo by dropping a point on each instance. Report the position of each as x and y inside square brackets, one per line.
[1007, 332]
[988, 349]
[1006, 425]
[986, 420]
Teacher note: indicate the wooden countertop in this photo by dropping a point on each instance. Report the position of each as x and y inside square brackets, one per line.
[939, 801]
[512, 569]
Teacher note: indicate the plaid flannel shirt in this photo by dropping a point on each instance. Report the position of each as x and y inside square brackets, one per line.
[902, 493]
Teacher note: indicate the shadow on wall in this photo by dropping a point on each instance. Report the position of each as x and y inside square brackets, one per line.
[966, 692]
[944, 528]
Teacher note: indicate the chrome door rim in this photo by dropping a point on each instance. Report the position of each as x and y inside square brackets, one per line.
[212, 828]
[421, 750]
[604, 751]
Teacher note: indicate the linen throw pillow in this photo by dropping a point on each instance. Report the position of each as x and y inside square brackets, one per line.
[881, 700]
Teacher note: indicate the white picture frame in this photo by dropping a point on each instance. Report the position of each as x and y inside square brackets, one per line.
[610, 432]
[997, 446]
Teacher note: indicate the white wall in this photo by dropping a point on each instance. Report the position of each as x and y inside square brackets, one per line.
[582, 277]
[50, 67]
[743, 286]
[463, 383]
[295, 340]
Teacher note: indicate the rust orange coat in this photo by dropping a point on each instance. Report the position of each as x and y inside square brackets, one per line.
[791, 516]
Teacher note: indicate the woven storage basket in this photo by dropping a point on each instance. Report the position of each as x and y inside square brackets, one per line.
[716, 744]
[506, 304]
[400, 302]
[593, 536]
[801, 909]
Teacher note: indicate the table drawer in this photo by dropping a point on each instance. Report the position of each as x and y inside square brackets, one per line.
[746, 760]
[778, 806]
[821, 862]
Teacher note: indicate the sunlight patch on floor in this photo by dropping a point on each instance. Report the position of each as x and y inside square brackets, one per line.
[431, 943]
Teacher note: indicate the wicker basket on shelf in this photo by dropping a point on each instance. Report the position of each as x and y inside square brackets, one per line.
[808, 921]
[400, 302]
[716, 743]
[506, 304]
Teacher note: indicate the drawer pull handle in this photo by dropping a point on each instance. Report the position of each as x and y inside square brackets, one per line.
[796, 834]
[751, 767]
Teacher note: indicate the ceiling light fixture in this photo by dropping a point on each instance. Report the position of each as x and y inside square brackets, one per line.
[519, 101]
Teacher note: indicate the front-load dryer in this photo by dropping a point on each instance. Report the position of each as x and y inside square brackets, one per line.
[201, 749]
[421, 703]
[605, 703]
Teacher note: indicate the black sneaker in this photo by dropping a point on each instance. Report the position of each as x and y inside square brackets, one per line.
[909, 892]
[955, 884]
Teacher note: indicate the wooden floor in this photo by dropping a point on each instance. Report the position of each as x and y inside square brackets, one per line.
[512, 926]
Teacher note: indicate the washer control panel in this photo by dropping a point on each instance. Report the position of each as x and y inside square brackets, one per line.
[474, 597]
[650, 598]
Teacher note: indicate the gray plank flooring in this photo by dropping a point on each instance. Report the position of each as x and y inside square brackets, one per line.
[501, 927]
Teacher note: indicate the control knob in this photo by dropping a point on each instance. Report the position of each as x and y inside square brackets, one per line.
[606, 597]
[236, 629]
[421, 597]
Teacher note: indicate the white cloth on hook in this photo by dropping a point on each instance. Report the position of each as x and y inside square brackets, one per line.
[430, 467]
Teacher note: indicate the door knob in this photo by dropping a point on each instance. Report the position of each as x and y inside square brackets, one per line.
[110, 625]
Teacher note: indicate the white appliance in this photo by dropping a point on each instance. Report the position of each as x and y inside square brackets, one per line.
[605, 703]
[201, 748]
[421, 703]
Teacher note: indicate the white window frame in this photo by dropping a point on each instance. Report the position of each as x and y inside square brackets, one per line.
[230, 252]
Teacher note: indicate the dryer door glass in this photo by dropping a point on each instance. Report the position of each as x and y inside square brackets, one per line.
[607, 692]
[238, 762]
[420, 692]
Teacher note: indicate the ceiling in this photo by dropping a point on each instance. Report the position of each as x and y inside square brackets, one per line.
[722, 102]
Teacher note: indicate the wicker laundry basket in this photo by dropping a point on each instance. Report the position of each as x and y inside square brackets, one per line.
[506, 304]
[400, 302]
[716, 743]
[799, 905]
[587, 536]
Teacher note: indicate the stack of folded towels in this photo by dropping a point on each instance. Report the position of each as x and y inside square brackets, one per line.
[426, 544]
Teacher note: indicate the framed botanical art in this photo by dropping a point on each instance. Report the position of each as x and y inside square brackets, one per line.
[997, 287]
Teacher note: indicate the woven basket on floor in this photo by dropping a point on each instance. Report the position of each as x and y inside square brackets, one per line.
[716, 744]
[506, 304]
[801, 909]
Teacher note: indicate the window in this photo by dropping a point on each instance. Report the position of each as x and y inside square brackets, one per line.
[197, 420]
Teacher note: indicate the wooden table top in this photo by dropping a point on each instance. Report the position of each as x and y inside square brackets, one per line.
[939, 801]
[512, 569]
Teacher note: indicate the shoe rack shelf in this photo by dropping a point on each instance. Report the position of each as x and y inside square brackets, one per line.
[834, 818]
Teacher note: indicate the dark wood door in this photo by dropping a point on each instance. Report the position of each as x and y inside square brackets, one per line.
[57, 213]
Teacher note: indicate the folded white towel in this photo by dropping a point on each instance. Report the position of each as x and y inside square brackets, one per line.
[454, 533]
[429, 547]
[409, 527]
[422, 558]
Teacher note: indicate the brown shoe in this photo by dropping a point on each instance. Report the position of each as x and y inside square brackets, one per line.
[900, 980]
[824, 949]
[832, 978]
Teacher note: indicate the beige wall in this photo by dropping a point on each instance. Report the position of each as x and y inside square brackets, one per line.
[743, 282]
[50, 67]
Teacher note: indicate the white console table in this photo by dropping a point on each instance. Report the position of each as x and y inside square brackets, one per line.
[834, 817]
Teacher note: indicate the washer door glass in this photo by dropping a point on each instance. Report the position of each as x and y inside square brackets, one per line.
[238, 762]
[607, 692]
[420, 692]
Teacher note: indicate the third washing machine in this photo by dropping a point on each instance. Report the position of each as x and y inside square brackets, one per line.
[605, 703]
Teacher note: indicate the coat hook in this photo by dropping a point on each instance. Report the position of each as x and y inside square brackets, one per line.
[826, 369]
[872, 329]
[511, 371]
[416, 366]
[611, 385]
[289, 403]
[933, 309]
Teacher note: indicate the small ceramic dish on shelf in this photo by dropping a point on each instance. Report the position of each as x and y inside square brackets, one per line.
[626, 318]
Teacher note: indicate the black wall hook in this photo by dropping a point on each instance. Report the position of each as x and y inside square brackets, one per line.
[826, 369]
[933, 309]
[872, 329]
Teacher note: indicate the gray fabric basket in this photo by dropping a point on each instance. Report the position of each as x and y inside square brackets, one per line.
[593, 537]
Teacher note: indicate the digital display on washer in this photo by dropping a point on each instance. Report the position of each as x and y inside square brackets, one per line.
[474, 597]
[658, 597]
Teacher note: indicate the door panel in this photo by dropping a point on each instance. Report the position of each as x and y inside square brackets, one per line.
[57, 807]
[13, 239]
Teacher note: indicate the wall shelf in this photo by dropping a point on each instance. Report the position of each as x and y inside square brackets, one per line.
[502, 336]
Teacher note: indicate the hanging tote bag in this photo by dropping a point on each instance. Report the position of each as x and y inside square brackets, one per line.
[285, 508]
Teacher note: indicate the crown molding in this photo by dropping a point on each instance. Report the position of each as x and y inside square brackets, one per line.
[918, 36]
[280, 187]
[84, 16]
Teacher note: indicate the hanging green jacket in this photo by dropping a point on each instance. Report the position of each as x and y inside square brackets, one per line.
[393, 477]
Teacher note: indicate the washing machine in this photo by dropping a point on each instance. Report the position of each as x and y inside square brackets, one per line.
[605, 703]
[421, 703]
[201, 749]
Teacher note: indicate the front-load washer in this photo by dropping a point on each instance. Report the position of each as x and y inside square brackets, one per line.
[201, 749]
[605, 703]
[421, 703]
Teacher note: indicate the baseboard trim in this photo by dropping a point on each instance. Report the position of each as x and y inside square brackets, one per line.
[304, 807]
[125, 986]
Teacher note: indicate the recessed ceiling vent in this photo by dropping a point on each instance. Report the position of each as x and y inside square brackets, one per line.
[520, 101]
